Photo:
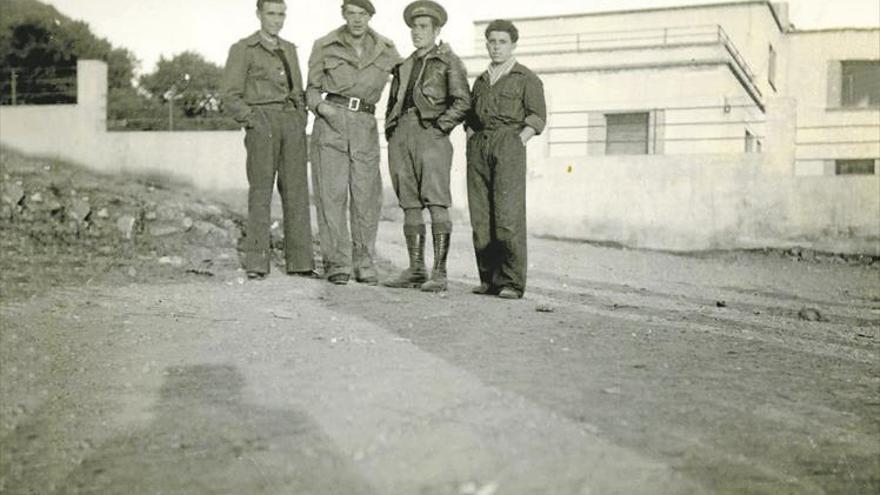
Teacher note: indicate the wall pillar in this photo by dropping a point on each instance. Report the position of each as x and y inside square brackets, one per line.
[91, 93]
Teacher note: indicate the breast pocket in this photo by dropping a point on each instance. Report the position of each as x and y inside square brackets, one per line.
[510, 100]
[339, 73]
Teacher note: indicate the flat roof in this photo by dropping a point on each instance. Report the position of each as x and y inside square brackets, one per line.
[835, 30]
[655, 9]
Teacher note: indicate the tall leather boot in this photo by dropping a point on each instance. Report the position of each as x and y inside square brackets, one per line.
[438, 275]
[414, 276]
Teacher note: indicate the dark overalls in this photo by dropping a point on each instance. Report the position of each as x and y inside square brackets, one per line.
[496, 174]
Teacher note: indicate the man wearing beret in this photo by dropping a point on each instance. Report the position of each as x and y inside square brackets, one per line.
[348, 69]
[508, 110]
[262, 89]
[429, 98]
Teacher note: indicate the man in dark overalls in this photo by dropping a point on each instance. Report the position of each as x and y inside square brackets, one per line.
[262, 89]
[508, 110]
[429, 98]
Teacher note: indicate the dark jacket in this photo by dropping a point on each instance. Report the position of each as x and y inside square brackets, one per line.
[441, 93]
[254, 75]
[516, 100]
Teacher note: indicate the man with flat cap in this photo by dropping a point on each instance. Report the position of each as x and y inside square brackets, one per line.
[429, 98]
[508, 110]
[348, 69]
[262, 89]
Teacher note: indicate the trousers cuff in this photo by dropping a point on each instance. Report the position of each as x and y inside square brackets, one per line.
[441, 228]
[414, 229]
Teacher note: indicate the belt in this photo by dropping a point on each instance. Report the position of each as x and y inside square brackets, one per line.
[353, 104]
[286, 107]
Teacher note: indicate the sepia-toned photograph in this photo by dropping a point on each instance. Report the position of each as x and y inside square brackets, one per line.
[439, 247]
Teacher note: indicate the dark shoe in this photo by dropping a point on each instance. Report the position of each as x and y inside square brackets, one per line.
[485, 290]
[256, 275]
[368, 280]
[305, 274]
[438, 274]
[338, 279]
[508, 293]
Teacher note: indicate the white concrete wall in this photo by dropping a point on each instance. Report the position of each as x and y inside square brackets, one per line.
[207, 159]
[78, 133]
[696, 202]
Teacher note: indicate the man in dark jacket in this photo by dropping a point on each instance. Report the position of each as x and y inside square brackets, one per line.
[429, 98]
[262, 89]
[508, 110]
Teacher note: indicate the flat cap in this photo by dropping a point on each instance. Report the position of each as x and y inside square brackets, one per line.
[504, 26]
[428, 8]
[364, 4]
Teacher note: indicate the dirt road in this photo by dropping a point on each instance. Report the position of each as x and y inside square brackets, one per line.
[642, 373]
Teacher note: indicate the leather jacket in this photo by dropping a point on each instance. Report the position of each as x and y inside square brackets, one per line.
[441, 93]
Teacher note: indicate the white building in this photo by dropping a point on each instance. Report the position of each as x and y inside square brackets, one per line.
[695, 127]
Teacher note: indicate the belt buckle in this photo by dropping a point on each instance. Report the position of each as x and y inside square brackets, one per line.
[354, 104]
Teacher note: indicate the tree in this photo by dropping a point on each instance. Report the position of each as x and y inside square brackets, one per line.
[39, 47]
[195, 83]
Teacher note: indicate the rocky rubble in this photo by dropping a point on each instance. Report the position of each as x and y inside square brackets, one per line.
[56, 214]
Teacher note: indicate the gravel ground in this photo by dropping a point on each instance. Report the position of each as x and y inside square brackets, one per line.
[156, 368]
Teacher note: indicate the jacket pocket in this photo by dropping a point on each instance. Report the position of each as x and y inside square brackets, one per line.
[339, 73]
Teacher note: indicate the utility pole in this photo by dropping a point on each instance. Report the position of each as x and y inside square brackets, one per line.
[14, 82]
[174, 93]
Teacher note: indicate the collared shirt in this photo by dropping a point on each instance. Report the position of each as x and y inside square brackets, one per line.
[418, 65]
[516, 100]
[255, 75]
[334, 67]
[496, 72]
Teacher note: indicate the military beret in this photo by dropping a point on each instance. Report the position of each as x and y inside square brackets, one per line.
[428, 8]
[364, 4]
[505, 26]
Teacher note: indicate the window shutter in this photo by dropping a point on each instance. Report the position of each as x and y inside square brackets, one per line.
[596, 134]
[834, 83]
[627, 134]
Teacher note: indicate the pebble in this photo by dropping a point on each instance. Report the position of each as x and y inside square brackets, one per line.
[810, 314]
[125, 225]
[171, 260]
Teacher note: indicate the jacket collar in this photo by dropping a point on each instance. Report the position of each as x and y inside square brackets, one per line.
[440, 51]
[258, 39]
[379, 45]
[517, 68]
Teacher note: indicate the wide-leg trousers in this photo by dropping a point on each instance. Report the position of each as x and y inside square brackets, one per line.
[277, 153]
[496, 180]
[348, 191]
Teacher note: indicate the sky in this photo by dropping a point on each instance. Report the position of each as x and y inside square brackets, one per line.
[154, 28]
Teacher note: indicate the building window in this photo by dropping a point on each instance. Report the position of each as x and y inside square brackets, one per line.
[854, 167]
[860, 83]
[771, 68]
[626, 133]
